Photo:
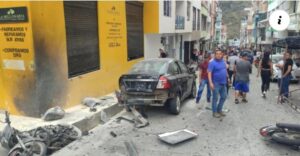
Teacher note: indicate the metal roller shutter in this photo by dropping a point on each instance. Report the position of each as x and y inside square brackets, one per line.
[135, 32]
[82, 36]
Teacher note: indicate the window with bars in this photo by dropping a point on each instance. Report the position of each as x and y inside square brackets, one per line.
[81, 22]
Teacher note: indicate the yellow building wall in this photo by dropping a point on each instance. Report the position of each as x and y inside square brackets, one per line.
[52, 86]
[151, 17]
[17, 80]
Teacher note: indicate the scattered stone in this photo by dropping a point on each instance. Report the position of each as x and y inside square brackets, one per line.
[113, 134]
[183, 118]
[54, 113]
[91, 102]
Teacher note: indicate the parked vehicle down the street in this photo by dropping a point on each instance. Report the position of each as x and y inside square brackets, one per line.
[276, 70]
[158, 82]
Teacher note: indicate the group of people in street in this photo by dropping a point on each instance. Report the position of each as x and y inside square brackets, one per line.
[220, 72]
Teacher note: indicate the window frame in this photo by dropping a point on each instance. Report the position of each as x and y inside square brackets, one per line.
[188, 10]
[167, 5]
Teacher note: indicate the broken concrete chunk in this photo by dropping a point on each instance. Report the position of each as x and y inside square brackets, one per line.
[91, 102]
[54, 113]
[103, 117]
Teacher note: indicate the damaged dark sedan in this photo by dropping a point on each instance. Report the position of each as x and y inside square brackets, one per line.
[158, 82]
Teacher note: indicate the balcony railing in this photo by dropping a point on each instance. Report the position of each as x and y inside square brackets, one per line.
[179, 22]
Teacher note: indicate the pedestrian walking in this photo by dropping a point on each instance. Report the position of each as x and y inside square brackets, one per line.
[217, 77]
[265, 70]
[225, 57]
[286, 75]
[242, 78]
[204, 79]
[232, 60]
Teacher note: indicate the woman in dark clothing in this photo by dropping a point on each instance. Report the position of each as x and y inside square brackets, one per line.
[265, 70]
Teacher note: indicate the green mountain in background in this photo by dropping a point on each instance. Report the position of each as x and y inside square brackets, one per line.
[233, 12]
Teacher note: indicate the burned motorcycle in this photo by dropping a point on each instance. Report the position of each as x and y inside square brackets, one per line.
[40, 141]
[20, 143]
[283, 133]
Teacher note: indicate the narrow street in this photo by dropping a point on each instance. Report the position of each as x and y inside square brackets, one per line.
[235, 135]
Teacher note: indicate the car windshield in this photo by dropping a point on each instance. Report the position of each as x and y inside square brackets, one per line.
[149, 67]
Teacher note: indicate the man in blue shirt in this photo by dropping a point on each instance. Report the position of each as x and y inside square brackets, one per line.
[217, 76]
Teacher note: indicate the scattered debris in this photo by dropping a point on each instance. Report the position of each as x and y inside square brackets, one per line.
[93, 109]
[103, 117]
[132, 151]
[56, 136]
[54, 113]
[124, 118]
[113, 134]
[91, 102]
[177, 136]
[140, 121]
[84, 133]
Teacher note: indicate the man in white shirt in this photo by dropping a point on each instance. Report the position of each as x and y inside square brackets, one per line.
[232, 60]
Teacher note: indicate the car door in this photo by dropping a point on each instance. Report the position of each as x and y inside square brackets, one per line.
[184, 80]
[174, 76]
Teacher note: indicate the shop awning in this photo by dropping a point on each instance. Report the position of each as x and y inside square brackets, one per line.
[291, 42]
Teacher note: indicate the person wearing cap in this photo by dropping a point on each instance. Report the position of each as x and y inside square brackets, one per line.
[242, 71]
[203, 81]
[162, 53]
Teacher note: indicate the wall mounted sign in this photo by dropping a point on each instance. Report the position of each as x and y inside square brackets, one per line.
[13, 15]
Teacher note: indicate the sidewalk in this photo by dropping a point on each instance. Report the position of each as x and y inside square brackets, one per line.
[80, 116]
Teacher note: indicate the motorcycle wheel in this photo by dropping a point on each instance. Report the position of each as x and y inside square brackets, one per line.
[292, 139]
[35, 148]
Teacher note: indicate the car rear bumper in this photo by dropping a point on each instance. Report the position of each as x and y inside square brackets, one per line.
[158, 98]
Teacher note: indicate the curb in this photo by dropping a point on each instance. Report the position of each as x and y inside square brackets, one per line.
[98, 118]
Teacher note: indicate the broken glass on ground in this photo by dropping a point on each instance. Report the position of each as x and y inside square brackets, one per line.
[177, 136]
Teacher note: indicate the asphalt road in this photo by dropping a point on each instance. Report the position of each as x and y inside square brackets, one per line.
[234, 135]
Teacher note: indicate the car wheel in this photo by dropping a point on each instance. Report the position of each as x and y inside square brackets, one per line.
[174, 105]
[194, 91]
